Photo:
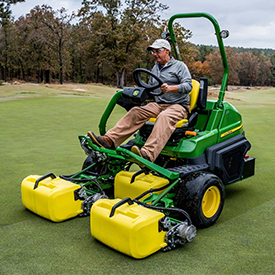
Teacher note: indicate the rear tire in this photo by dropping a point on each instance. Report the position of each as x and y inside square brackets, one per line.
[202, 196]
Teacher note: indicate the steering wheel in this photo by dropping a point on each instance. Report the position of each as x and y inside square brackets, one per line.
[140, 83]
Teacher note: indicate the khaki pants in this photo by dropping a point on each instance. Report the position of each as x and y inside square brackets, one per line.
[166, 115]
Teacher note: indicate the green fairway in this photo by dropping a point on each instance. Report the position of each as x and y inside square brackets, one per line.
[40, 135]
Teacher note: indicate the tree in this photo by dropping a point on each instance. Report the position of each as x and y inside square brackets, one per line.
[215, 62]
[22, 51]
[249, 68]
[35, 48]
[206, 70]
[203, 51]
[234, 65]
[272, 70]
[59, 24]
[264, 69]
[199, 69]
[217, 68]
[79, 50]
[5, 23]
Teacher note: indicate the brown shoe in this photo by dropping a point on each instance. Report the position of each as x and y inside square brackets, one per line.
[101, 141]
[138, 152]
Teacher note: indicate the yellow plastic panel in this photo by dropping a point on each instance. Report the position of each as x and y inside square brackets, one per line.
[133, 230]
[142, 183]
[179, 124]
[194, 94]
[53, 199]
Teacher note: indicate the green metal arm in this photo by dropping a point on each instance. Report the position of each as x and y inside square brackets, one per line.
[108, 111]
[220, 43]
[172, 176]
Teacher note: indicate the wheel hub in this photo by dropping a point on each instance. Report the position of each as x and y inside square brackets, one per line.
[211, 201]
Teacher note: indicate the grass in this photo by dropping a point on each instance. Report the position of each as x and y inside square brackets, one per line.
[27, 90]
[39, 135]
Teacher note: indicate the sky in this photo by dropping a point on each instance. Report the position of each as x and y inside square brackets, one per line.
[251, 23]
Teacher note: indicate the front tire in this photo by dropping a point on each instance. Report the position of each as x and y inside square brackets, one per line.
[202, 196]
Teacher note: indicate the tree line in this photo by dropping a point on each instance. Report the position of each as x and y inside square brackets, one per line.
[248, 67]
[106, 41]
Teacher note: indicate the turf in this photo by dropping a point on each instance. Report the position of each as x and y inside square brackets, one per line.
[39, 135]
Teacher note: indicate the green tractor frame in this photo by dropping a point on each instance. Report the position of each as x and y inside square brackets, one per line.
[159, 206]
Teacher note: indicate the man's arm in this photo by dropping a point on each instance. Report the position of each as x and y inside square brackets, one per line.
[185, 80]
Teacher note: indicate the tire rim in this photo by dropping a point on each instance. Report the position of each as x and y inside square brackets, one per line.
[211, 201]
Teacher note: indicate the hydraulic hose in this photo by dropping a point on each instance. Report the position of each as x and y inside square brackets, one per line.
[165, 209]
[151, 191]
[83, 181]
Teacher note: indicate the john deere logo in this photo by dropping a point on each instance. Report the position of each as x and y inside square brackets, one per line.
[135, 93]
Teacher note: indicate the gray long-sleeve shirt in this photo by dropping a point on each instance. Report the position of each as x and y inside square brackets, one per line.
[174, 72]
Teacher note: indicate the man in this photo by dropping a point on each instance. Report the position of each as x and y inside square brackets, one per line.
[168, 108]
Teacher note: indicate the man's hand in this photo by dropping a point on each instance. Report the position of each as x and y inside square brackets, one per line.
[165, 88]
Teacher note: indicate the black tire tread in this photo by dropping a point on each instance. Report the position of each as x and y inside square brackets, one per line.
[191, 193]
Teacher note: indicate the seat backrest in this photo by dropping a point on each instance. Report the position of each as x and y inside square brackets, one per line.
[202, 99]
[194, 94]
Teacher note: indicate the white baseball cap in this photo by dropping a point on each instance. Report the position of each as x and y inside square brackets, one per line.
[158, 44]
